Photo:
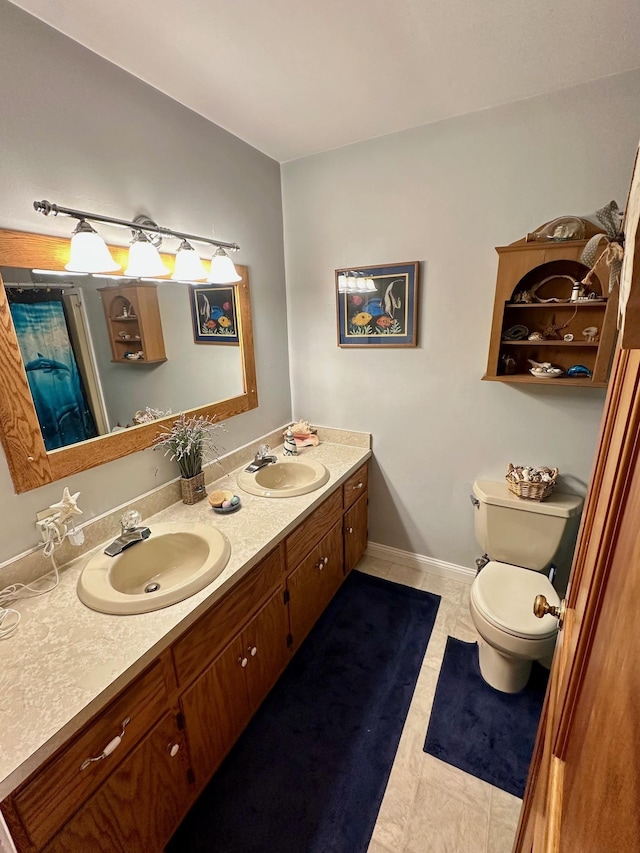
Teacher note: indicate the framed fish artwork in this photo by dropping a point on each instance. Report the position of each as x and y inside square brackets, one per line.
[213, 313]
[378, 305]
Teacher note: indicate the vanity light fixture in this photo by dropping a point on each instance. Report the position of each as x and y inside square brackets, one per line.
[189, 266]
[89, 252]
[143, 254]
[222, 268]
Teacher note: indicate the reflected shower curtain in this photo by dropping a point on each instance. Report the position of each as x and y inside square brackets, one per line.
[56, 386]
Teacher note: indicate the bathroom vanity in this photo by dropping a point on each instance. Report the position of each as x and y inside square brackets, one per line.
[122, 774]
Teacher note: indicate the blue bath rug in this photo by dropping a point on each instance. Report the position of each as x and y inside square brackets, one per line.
[309, 773]
[481, 730]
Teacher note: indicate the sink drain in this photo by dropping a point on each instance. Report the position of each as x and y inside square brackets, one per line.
[152, 587]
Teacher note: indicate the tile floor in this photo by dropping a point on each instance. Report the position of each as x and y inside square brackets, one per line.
[430, 806]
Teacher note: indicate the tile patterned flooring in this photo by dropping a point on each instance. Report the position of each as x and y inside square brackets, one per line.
[430, 806]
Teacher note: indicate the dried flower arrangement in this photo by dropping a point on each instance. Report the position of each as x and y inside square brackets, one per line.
[190, 441]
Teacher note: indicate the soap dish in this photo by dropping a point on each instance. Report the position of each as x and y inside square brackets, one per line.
[225, 510]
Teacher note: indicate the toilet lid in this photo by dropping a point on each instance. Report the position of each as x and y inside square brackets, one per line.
[504, 594]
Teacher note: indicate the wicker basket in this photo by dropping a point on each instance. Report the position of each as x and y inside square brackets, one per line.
[528, 490]
[193, 489]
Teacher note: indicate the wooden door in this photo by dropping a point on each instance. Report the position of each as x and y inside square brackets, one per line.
[216, 710]
[355, 532]
[264, 643]
[140, 805]
[314, 583]
[583, 792]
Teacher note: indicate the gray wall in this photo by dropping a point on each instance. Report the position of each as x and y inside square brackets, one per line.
[81, 132]
[446, 194]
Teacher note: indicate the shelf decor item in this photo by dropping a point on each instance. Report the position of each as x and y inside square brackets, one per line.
[378, 305]
[533, 484]
[610, 217]
[190, 442]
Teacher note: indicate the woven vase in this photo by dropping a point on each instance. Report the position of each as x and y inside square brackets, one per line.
[193, 489]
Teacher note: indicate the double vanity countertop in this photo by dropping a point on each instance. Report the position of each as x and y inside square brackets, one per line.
[65, 661]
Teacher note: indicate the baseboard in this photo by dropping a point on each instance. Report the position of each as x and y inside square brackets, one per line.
[418, 561]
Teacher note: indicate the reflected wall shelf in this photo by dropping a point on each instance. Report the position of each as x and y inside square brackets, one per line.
[133, 322]
[548, 268]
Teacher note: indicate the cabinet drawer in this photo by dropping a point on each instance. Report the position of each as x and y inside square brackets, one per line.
[215, 629]
[61, 786]
[356, 485]
[310, 532]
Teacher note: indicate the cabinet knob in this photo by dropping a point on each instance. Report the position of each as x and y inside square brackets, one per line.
[359, 486]
[109, 748]
[243, 661]
[173, 749]
[349, 529]
[253, 651]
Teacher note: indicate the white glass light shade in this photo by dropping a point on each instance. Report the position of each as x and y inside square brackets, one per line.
[222, 269]
[352, 283]
[144, 258]
[189, 266]
[89, 252]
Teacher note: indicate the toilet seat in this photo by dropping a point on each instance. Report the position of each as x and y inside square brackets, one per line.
[504, 594]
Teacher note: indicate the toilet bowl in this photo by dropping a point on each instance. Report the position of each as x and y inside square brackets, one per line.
[511, 637]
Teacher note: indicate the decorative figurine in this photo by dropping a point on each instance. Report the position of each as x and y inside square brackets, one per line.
[290, 448]
[590, 334]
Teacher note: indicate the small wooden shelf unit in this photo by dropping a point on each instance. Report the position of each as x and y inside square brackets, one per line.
[525, 264]
[132, 310]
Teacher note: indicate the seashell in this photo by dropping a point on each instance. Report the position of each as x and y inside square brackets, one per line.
[590, 333]
[536, 336]
[568, 337]
[515, 333]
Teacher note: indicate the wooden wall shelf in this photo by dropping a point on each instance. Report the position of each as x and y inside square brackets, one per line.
[523, 265]
[133, 323]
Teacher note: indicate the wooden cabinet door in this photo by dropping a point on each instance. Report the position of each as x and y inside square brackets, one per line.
[264, 643]
[140, 805]
[355, 532]
[314, 583]
[216, 709]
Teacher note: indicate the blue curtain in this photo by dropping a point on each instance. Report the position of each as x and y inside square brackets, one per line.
[55, 382]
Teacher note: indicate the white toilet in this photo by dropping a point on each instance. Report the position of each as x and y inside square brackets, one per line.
[521, 537]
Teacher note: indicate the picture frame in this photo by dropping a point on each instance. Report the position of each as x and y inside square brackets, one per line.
[214, 314]
[378, 305]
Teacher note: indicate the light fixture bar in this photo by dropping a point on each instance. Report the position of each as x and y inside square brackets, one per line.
[47, 208]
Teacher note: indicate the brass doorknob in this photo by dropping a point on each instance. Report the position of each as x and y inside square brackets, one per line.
[541, 607]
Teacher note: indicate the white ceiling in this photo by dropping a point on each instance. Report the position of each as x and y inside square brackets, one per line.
[295, 77]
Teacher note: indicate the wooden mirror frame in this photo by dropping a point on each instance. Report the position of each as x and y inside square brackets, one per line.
[29, 462]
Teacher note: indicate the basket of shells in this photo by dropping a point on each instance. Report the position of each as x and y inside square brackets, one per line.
[532, 484]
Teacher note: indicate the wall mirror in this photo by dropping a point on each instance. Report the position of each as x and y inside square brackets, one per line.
[217, 379]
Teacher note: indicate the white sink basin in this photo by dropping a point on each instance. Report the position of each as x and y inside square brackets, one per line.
[286, 478]
[176, 561]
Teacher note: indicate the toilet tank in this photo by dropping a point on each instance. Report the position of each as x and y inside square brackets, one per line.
[522, 532]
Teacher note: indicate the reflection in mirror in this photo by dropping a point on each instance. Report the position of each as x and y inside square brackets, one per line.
[85, 356]
[68, 328]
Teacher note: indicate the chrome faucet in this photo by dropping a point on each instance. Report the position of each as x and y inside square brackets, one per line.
[130, 533]
[262, 458]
